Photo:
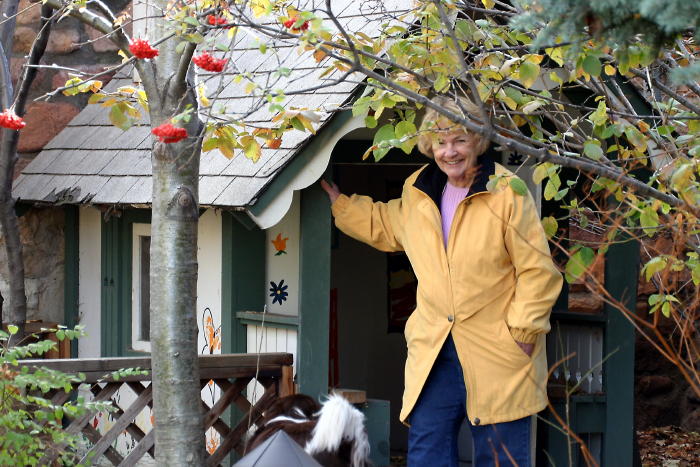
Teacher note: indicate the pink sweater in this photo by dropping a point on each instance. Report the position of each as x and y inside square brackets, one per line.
[451, 196]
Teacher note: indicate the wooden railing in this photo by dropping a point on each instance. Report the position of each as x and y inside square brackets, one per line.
[230, 373]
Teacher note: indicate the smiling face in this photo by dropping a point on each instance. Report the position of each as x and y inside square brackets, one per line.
[455, 153]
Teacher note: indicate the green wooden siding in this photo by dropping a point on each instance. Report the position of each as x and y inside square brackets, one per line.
[242, 279]
[314, 294]
[621, 276]
[116, 259]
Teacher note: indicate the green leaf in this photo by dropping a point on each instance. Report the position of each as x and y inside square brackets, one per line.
[592, 66]
[12, 329]
[118, 117]
[550, 226]
[383, 135]
[550, 190]
[528, 73]
[636, 137]
[370, 121]
[441, 83]
[653, 266]
[592, 149]
[649, 220]
[191, 20]
[252, 149]
[600, 115]
[666, 309]
[518, 186]
[361, 106]
[406, 130]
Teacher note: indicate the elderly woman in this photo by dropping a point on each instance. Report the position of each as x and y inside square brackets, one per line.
[486, 285]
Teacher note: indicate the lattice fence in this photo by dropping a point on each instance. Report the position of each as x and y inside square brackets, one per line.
[230, 373]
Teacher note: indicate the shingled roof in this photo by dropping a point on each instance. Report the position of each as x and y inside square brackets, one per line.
[91, 161]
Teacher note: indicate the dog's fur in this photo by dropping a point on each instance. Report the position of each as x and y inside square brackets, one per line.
[334, 434]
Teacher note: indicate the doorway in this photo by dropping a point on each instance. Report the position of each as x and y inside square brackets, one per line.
[373, 291]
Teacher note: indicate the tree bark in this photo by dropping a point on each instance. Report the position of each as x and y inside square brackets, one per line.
[175, 215]
[174, 221]
[9, 226]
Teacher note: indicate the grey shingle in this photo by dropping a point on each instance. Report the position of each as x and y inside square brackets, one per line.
[140, 191]
[89, 186]
[240, 191]
[112, 166]
[210, 187]
[115, 189]
[95, 161]
[129, 162]
[34, 187]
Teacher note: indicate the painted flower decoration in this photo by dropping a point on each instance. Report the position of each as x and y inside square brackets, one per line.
[289, 24]
[8, 119]
[142, 49]
[280, 244]
[168, 133]
[210, 63]
[278, 292]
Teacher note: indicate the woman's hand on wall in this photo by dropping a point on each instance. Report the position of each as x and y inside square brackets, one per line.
[331, 189]
[527, 348]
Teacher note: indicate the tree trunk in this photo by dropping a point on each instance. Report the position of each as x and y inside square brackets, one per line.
[177, 397]
[9, 226]
[16, 312]
[174, 221]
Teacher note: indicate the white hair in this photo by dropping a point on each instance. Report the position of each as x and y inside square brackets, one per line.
[339, 420]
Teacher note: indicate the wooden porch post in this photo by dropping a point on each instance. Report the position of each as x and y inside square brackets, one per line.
[314, 294]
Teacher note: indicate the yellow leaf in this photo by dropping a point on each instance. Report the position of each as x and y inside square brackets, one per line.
[488, 3]
[368, 152]
[528, 73]
[643, 126]
[95, 85]
[609, 70]
[534, 58]
[261, 7]
[251, 148]
[556, 54]
[202, 93]
[95, 98]
[126, 90]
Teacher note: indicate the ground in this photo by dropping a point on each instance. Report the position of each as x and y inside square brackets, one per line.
[669, 446]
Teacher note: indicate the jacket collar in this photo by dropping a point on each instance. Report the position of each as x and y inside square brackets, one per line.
[432, 180]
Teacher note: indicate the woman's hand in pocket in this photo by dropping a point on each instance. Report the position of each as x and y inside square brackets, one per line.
[527, 348]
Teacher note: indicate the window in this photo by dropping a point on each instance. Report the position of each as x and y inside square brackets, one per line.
[140, 288]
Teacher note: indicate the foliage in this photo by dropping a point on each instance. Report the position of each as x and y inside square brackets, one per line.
[31, 424]
[581, 90]
[622, 25]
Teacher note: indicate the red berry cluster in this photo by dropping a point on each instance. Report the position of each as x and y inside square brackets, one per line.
[289, 24]
[8, 119]
[210, 63]
[167, 133]
[142, 49]
[214, 20]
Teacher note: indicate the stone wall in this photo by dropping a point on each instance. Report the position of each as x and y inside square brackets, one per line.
[42, 232]
[75, 46]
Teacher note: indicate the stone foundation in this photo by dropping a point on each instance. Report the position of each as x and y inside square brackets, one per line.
[42, 234]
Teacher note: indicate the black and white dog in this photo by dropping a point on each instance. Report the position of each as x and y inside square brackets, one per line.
[334, 433]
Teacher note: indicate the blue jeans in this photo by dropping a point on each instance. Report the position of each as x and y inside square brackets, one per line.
[437, 416]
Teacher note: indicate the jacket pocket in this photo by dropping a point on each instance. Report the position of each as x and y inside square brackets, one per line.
[511, 345]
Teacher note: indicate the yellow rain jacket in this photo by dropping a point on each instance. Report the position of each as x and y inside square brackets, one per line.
[494, 285]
